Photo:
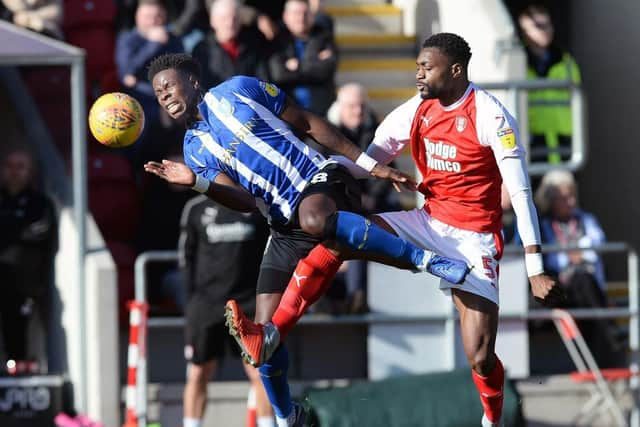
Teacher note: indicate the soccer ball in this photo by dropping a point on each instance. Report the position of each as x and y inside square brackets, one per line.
[116, 119]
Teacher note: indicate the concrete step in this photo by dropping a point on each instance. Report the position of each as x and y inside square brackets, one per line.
[385, 99]
[366, 18]
[393, 72]
[376, 45]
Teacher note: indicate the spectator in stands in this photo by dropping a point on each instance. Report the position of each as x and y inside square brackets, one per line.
[266, 15]
[320, 17]
[42, 16]
[28, 235]
[581, 272]
[220, 254]
[305, 59]
[137, 47]
[352, 115]
[231, 49]
[193, 16]
[550, 124]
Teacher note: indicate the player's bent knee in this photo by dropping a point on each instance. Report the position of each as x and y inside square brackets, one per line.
[313, 223]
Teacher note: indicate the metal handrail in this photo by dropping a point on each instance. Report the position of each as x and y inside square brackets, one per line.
[380, 318]
[579, 143]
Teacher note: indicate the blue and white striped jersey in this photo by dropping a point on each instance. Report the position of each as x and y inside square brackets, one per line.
[243, 137]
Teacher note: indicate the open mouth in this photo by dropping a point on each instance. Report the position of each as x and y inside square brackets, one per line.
[173, 107]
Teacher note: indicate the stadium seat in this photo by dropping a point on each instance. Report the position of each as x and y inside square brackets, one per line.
[598, 380]
[50, 89]
[113, 195]
[90, 25]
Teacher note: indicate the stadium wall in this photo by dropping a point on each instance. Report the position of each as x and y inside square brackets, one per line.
[603, 36]
[101, 343]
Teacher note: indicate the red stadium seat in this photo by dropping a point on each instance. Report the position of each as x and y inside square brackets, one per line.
[113, 195]
[90, 25]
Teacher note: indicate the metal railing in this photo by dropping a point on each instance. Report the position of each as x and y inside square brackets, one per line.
[579, 142]
[631, 312]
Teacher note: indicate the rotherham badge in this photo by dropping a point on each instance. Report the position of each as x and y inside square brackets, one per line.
[461, 123]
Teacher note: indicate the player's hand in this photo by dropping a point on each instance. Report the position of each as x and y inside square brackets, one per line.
[546, 290]
[172, 172]
[397, 178]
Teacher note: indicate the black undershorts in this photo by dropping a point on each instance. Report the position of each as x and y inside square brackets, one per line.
[288, 243]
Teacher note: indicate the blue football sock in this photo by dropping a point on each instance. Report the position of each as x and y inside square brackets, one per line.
[359, 233]
[274, 377]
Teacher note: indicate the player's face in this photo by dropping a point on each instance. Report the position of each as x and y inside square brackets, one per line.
[177, 93]
[433, 73]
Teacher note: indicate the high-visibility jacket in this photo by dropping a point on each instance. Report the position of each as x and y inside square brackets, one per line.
[550, 109]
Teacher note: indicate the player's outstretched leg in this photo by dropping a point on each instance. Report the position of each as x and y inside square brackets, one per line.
[274, 377]
[310, 280]
[490, 389]
[361, 234]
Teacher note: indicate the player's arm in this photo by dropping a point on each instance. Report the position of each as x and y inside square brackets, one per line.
[514, 175]
[222, 189]
[499, 130]
[391, 137]
[329, 136]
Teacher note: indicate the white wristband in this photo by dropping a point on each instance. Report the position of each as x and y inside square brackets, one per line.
[366, 162]
[201, 185]
[533, 263]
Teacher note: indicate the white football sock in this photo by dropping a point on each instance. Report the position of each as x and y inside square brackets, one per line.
[191, 422]
[287, 422]
[265, 422]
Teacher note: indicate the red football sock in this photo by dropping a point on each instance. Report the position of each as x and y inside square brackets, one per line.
[310, 280]
[490, 389]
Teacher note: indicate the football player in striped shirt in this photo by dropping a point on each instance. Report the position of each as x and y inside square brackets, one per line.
[242, 149]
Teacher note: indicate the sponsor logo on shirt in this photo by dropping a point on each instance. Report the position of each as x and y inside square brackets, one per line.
[440, 156]
[241, 134]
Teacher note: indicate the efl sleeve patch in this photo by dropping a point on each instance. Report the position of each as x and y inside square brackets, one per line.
[507, 138]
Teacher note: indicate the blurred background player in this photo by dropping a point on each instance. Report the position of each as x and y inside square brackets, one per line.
[220, 253]
[28, 239]
[550, 123]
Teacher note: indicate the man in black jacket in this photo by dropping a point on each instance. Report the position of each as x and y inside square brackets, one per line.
[27, 247]
[231, 49]
[305, 59]
[220, 254]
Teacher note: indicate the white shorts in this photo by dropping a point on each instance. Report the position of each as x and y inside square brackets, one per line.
[480, 250]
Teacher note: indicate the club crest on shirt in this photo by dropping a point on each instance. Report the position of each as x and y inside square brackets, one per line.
[507, 138]
[270, 88]
[461, 123]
